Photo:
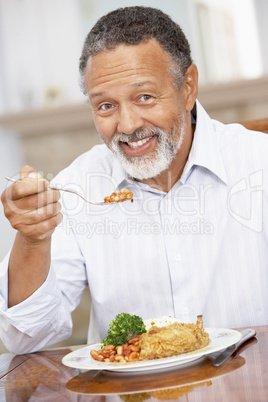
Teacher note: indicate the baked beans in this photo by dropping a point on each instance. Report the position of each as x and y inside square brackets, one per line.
[120, 354]
[119, 196]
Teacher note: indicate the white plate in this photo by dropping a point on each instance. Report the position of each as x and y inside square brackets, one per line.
[220, 338]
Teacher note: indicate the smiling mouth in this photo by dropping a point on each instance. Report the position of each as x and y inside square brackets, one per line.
[137, 144]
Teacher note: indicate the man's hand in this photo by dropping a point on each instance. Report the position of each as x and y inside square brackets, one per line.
[34, 211]
[31, 207]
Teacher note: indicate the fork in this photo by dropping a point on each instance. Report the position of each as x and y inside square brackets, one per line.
[68, 191]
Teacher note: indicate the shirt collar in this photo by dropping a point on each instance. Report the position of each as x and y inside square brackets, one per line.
[119, 174]
[205, 151]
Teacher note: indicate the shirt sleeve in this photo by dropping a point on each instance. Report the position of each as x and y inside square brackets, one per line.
[44, 318]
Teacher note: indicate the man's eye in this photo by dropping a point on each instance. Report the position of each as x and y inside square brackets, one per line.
[106, 106]
[145, 97]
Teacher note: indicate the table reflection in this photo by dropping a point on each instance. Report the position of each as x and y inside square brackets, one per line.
[42, 377]
[181, 380]
[163, 394]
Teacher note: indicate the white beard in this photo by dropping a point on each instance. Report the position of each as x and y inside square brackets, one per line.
[152, 164]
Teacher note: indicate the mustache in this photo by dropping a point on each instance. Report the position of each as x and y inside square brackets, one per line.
[137, 135]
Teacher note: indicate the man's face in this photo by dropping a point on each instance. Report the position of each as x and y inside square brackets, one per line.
[138, 111]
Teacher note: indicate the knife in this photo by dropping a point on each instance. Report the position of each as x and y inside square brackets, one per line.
[221, 357]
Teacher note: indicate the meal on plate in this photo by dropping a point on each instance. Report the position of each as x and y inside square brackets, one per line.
[119, 196]
[129, 339]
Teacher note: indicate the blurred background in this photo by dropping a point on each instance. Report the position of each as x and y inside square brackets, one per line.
[44, 120]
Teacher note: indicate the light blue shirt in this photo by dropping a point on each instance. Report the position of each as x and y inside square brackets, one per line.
[201, 248]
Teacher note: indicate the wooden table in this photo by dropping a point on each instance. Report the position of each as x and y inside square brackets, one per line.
[42, 376]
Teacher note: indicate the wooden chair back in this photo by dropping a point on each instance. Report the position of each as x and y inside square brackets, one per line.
[257, 125]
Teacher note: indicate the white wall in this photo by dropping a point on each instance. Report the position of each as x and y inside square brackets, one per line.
[10, 162]
[41, 42]
[261, 8]
[39, 49]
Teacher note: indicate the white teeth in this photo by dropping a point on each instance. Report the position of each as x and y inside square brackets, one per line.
[136, 144]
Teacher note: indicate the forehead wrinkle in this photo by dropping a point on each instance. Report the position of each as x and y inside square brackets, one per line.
[103, 79]
[124, 73]
[124, 62]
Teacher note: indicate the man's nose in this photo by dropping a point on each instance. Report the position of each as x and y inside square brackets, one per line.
[129, 119]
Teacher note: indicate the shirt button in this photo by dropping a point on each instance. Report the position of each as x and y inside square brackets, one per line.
[177, 257]
[184, 310]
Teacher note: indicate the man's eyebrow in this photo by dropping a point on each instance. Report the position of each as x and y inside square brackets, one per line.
[96, 94]
[141, 83]
[134, 84]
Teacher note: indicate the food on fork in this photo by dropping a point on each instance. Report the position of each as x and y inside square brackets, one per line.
[119, 196]
[171, 340]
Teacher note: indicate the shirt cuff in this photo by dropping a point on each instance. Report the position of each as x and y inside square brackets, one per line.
[40, 307]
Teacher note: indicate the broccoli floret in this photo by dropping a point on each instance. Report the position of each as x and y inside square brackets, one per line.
[123, 328]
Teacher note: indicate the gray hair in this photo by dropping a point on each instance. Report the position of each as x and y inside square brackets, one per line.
[132, 26]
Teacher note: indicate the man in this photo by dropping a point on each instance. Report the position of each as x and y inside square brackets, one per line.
[194, 240]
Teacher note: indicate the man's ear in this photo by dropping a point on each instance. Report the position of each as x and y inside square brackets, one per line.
[190, 84]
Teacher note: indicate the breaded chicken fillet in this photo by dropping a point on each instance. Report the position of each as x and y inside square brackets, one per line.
[173, 339]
